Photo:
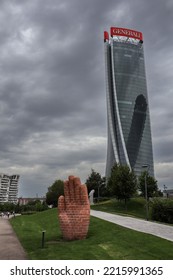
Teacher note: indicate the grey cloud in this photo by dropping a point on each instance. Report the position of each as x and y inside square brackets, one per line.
[52, 85]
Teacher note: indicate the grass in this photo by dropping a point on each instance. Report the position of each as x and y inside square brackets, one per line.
[105, 241]
[135, 207]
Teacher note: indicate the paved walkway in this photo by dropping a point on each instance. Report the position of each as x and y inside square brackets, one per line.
[10, 247]
[160, 230]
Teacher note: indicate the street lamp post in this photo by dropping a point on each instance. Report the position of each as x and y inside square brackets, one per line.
[98, 193]
[165, 190]
[146, 166]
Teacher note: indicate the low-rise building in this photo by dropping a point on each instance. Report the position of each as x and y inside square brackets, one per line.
[168, 193]
[25, 200]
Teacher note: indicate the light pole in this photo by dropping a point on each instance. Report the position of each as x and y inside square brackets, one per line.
[146, 166]
[165, 190]
[98, 193]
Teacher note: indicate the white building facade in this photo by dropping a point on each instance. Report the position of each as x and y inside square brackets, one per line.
[8, 188]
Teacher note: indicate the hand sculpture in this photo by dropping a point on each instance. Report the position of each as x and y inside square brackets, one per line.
[74, 210]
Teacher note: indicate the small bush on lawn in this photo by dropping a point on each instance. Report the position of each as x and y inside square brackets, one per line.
[162, 210]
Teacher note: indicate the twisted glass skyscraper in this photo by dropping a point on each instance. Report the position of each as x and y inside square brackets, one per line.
[129, 132]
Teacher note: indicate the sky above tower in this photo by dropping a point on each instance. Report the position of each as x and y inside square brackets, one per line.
[53, 119]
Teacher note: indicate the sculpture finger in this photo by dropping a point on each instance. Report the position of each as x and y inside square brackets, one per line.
[84, 195]
[71, 187]
[77, 184]
[61, 204]
[66, 192]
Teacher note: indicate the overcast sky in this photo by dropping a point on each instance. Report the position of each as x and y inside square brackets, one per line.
[52, 86]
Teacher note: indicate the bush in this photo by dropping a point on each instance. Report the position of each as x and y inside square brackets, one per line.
[162, 210]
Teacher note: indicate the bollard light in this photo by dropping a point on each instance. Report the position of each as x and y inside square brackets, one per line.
[43, 238]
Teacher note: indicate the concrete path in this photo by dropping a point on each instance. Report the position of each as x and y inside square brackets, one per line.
[160, 230]
[10, 247]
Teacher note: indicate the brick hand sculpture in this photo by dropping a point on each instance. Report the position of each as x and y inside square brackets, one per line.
[74, 210]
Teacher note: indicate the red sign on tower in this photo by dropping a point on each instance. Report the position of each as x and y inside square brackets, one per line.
[116, 31]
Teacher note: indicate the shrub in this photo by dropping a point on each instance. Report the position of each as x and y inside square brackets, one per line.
[162, 210]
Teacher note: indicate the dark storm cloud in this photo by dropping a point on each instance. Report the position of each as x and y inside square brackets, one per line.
[52, 85]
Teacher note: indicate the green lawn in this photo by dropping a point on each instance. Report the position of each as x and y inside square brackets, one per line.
[105, 241]
[135, 207]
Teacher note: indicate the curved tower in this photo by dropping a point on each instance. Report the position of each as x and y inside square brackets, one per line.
[129, 131]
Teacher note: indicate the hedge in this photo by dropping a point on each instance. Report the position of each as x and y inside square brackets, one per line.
[162, 210]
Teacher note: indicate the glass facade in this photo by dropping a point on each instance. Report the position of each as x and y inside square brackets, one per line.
[129, 131]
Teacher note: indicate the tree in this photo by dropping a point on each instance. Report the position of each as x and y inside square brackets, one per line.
[7, 206]
[95, 182]
[54, 191]
[122, 182]
[152, 188]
